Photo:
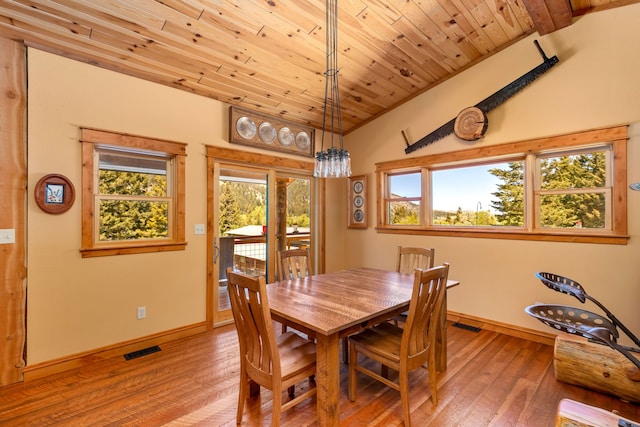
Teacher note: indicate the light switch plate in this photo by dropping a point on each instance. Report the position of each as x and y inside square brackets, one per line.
[199, 229]
[7, 235]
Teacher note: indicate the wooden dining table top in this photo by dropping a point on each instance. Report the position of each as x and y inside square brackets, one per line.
[339, 301]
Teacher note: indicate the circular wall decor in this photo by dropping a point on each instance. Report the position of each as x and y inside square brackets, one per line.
[54, 193]
[471, 124]
[267, 133]
[246, 127]
[285, 136]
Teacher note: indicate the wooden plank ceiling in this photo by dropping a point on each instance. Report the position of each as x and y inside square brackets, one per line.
[269, 55]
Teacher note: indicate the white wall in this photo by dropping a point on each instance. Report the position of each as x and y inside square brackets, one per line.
[594, 85]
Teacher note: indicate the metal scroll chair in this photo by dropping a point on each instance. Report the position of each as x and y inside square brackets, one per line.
[571, 287]
[584, 323]
[273, 363]
[410, 258]
[404, 350]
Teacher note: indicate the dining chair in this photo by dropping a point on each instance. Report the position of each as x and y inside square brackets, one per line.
[404, 350]
[276, 363]
[293, 264]
[408, 259]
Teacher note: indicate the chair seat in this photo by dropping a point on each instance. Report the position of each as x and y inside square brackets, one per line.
[380, 342]
[297, 357]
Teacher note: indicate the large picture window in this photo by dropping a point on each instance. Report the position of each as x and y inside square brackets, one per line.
[133, 194]
[567, 188]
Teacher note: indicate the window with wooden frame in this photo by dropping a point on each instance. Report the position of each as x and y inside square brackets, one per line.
[565, 188]
[133, 194]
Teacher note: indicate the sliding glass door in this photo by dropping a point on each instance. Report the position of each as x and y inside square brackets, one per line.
[255, 212]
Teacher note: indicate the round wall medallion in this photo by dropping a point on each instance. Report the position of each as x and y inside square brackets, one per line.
[358, 201]
[267, 133]
[246, 127]
[302, 140]
[54, 194]
[358, 187]
[358, 215]
[285, 136]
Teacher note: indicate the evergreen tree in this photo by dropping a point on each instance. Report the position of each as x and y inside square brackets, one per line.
[510, 195]
[132, 219]
[229, 210]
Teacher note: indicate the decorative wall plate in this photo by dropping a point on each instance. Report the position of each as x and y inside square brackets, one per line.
[357, 202]
[54, 193]
[302, 140]
[285, 136]
[246, 127]
[269, 132]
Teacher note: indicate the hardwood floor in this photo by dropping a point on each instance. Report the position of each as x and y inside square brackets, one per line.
[491, 380]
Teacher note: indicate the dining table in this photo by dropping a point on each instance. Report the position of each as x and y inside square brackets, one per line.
[334, 305]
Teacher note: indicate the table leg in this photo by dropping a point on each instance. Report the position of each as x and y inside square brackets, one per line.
[328, 379]
[441, 337]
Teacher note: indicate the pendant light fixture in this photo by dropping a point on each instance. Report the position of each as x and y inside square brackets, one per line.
[335, 161]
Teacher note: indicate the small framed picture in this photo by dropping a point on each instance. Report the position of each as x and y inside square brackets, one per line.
[357, 202]
[54, 194]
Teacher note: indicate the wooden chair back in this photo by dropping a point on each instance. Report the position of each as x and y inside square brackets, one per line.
[252, 316]
[411, 258]
[293, 264]
[418, 338]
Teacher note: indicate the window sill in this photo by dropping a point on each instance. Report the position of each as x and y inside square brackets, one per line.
[132, 249]
[608, 239]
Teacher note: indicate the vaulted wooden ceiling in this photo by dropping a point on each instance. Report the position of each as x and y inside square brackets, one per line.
[269, 55]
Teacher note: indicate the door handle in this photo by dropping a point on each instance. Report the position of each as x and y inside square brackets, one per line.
[216, 251]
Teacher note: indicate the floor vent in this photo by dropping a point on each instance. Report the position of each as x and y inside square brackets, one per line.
[467, 327]
[143, 352]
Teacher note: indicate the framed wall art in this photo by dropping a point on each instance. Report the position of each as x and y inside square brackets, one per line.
[357, 201]
[54, 194]
[271, 133]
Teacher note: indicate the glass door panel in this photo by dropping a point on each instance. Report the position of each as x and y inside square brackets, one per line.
[241, 236]
[293, 213]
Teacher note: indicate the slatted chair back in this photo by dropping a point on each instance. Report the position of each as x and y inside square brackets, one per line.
[276, 363]
[293, 264]
[411, 258]
[251, 313]
[418, 339]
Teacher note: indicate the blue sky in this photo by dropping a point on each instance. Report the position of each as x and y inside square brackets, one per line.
[468, 188]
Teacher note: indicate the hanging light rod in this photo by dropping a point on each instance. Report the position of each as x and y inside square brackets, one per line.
[335, 161]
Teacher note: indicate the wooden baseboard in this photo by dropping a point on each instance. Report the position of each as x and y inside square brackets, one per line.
[503, 328]
[40, 370]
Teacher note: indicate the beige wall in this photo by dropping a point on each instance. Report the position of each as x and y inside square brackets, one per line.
[594, 85]
[76, 304]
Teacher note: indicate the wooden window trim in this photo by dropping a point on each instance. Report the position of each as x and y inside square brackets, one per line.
[93, 138]
[617, 136]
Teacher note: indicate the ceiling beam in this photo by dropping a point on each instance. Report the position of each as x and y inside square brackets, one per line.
[549, 15]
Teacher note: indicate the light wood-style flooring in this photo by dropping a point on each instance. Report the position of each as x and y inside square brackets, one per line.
[491, 380]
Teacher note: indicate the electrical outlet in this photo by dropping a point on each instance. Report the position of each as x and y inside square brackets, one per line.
[142, 312]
